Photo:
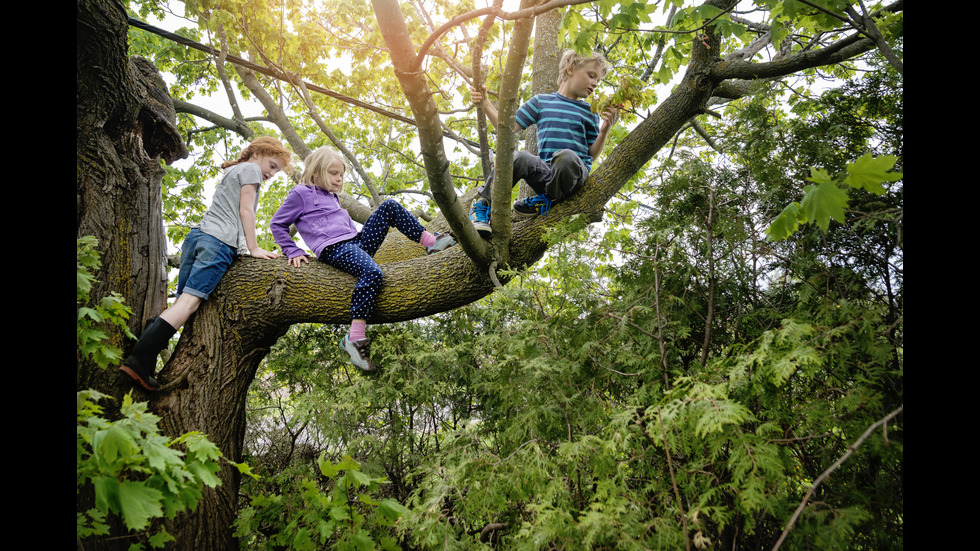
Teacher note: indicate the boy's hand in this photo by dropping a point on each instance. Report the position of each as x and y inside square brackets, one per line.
[609, 116]
[475, 96]
[491, 112]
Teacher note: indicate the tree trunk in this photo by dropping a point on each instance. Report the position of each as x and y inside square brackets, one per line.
[544, 70]
[124, 126]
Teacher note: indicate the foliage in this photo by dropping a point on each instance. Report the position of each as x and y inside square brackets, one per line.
[827, 200]
[686, 381]
[137, 473]
[337, 511]
[111, 310]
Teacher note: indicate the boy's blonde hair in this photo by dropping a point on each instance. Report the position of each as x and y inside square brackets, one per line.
[317, 165]
[572, 60]
[263, 146]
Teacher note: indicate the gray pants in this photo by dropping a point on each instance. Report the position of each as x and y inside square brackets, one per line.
[557, 178]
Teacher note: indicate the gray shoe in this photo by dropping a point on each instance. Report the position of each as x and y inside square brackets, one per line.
[443, 242]
[359, 352]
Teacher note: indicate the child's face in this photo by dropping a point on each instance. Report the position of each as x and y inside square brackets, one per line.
[270, 166]
[335, 177]
[582, 81]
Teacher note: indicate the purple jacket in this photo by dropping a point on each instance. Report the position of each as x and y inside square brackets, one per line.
[318, 216]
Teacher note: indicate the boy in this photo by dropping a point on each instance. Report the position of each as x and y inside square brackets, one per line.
[569, 137]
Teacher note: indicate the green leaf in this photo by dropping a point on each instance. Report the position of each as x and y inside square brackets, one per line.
[114, 444]
[823, 202]
[159, 539]
[245, 469]
[358, 478]
[869, 172]
[787, 222]
[392, 509]
[362, 542]
[205, 474]
[139, 503]
[106, 493]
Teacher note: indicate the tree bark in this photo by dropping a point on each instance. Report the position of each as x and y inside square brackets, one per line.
[124, 126]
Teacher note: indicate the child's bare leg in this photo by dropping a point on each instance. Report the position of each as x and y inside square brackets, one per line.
[181, 310]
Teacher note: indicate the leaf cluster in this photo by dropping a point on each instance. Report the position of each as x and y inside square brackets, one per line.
[137, 474]
[91, 318]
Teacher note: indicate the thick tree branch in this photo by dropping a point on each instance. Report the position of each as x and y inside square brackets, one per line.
[872, 31]
[837, 52]
[478, 79]
[846, 48]
[241, 127]
[220, 121]
[507, 106]
[239, 62]
[661, 42]
[413, 83]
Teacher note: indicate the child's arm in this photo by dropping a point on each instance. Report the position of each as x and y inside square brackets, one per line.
[489, 108]
[288, 213]
[247, 213]
[608, 119]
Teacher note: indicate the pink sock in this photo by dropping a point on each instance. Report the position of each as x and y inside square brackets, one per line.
[427, 239]
[358, 330]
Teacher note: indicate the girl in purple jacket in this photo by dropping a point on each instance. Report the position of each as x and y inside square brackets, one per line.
[327, 228]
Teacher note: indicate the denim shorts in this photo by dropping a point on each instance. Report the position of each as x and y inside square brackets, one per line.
[204, 260]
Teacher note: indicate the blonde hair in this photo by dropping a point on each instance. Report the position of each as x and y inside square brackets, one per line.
[572, 60]
[263, 147]
[317, 165]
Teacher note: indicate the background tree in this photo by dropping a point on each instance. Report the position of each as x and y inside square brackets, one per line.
[121, 138]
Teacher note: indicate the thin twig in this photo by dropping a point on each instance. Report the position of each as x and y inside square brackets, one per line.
[851, 449]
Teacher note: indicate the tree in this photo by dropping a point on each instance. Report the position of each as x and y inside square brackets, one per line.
[125, 127]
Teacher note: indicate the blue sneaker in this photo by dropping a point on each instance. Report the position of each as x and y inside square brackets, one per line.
[532, 206]
[480, 215]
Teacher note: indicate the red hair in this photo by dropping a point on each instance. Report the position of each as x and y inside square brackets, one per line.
[263, 147]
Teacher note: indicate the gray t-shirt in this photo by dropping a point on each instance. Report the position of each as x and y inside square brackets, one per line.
[222, 219]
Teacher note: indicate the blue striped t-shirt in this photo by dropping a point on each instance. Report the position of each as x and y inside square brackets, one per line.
[562, 124]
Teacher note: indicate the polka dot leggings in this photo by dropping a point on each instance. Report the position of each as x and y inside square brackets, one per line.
[354, 256]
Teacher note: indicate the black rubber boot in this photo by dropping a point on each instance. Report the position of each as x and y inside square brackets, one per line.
[142, 360]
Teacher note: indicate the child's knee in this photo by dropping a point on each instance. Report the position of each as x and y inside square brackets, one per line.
[570, 173]
[524, 160]
[389, 206]
[567, 160]
[372, 276]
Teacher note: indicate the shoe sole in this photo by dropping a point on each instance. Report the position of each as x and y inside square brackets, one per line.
[136, 377]
[483, 229]
[526, 214]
